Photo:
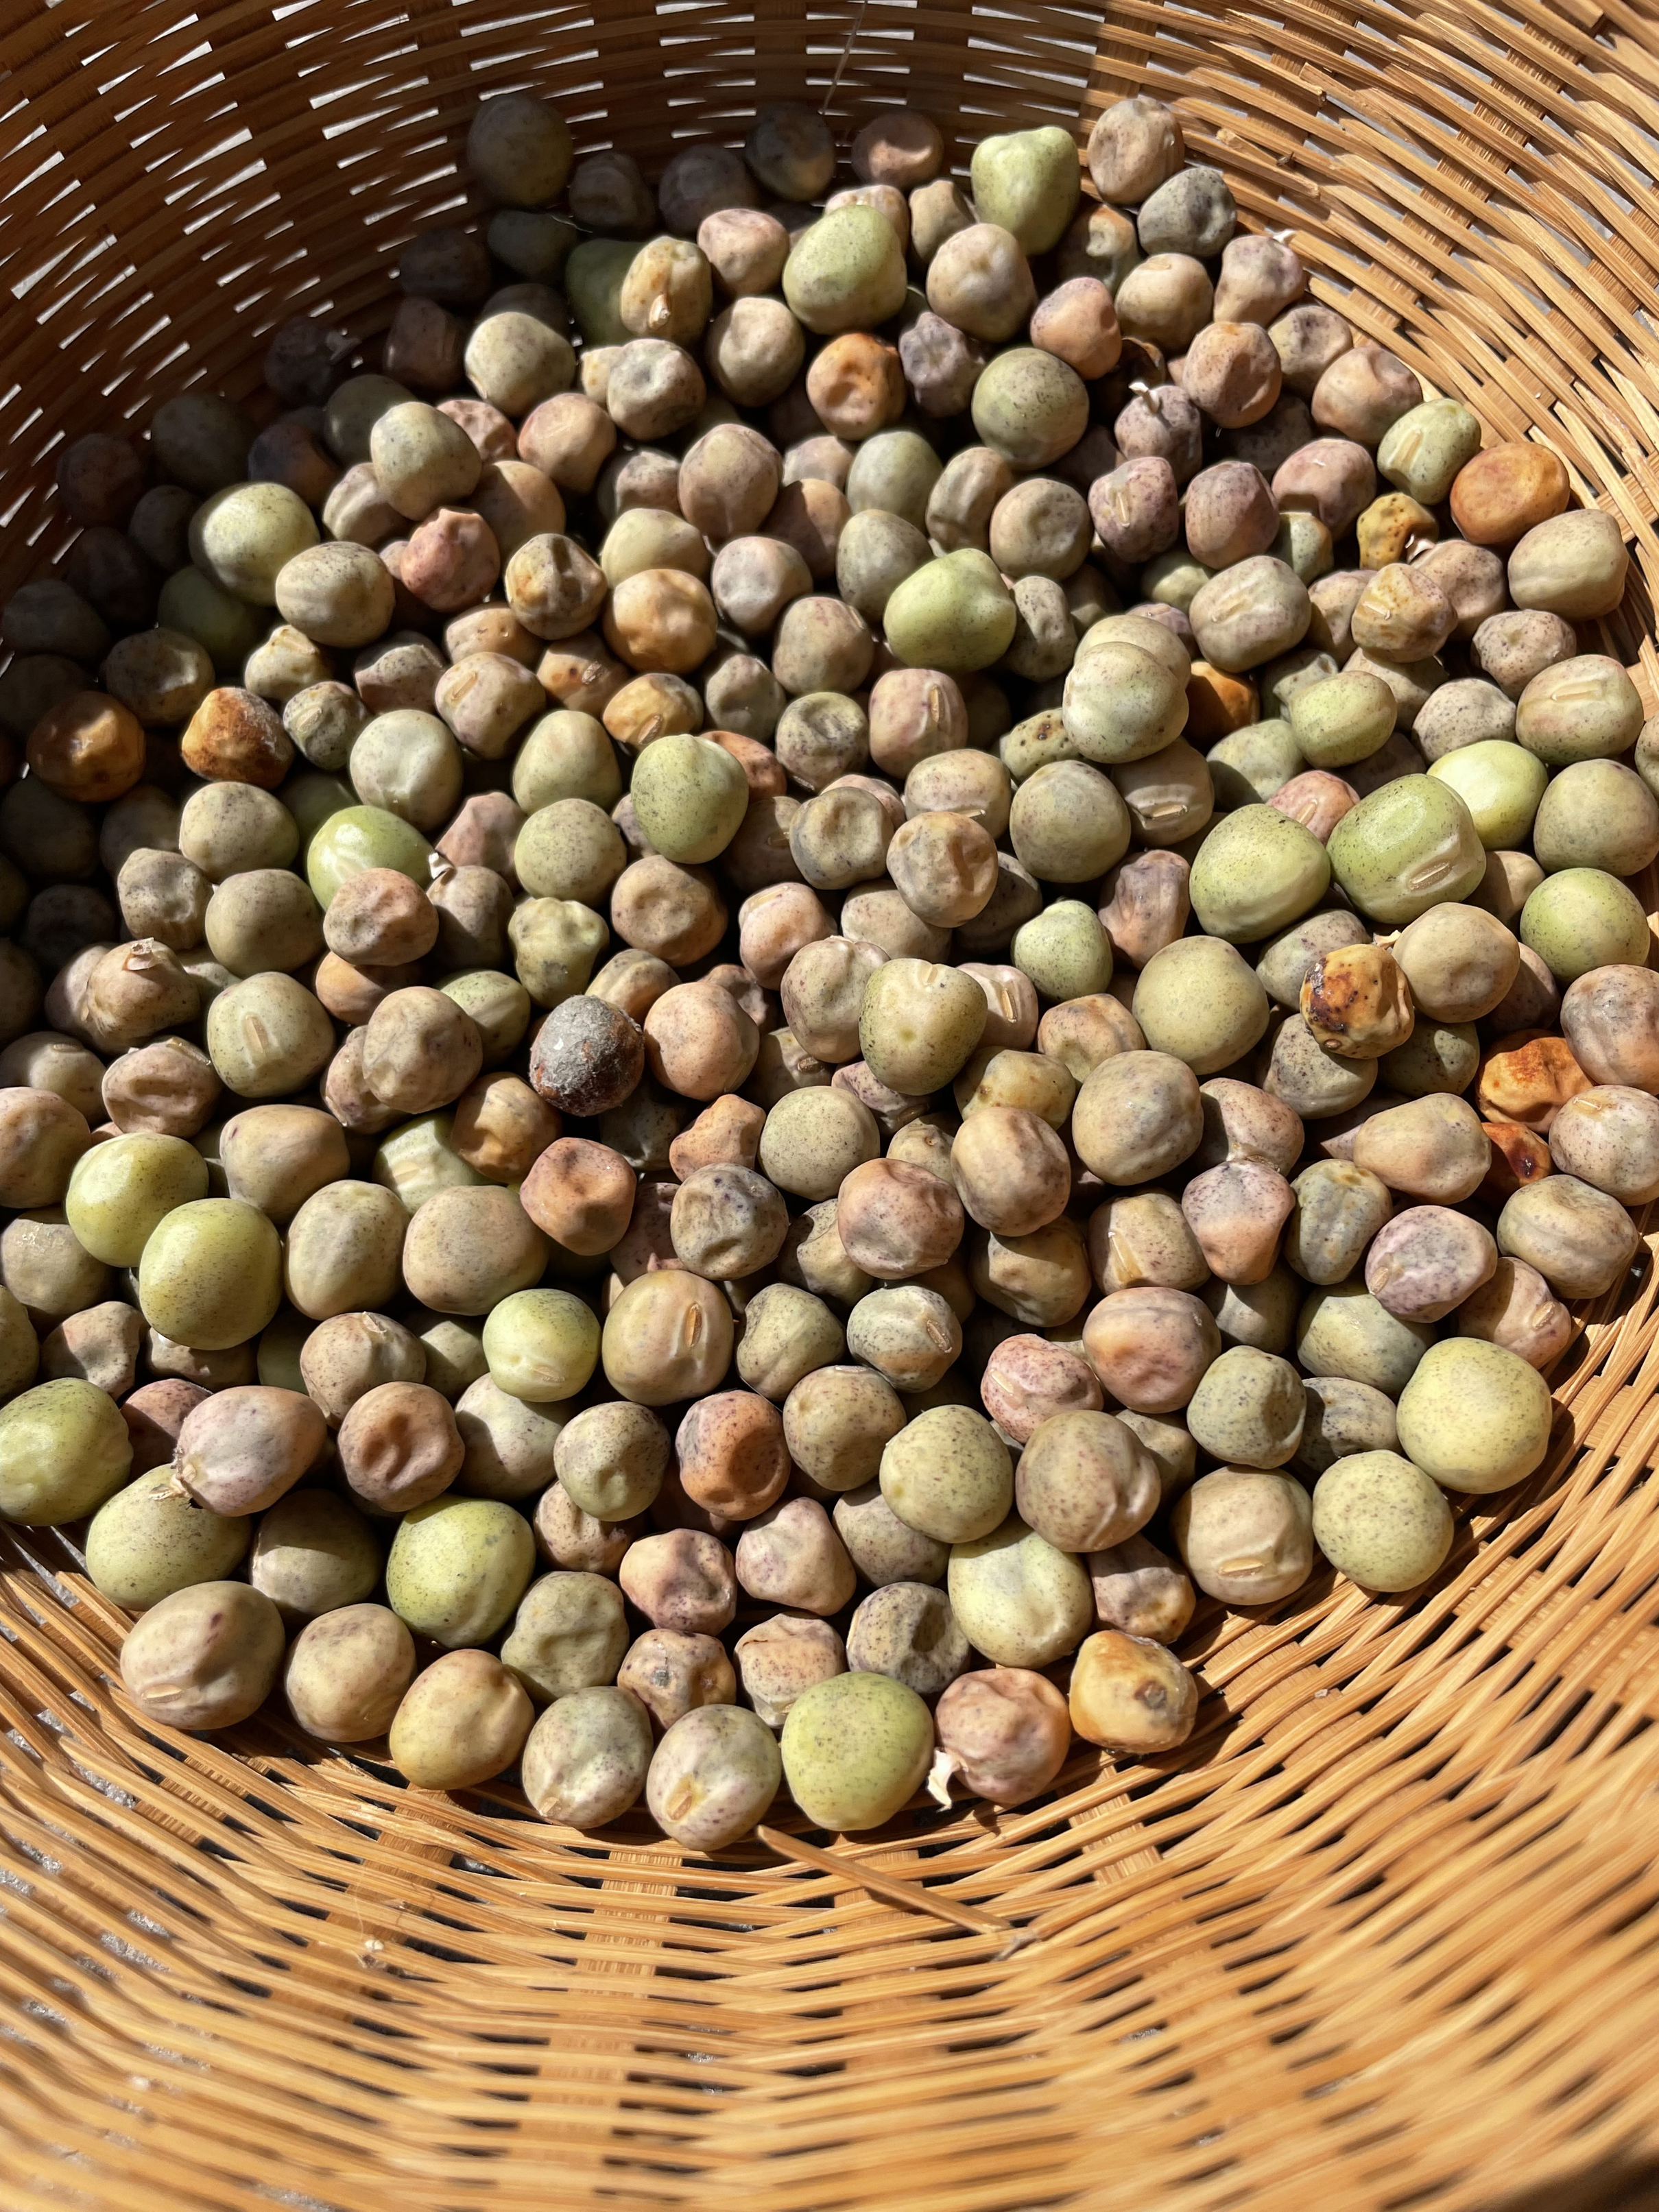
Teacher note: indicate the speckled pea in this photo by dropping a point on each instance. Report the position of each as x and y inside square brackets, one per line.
[713, 1776]
[1256, 872]
[211, 1275]
[690, 796]
[948, 1474]
[457, 1568]
[1473, 1416]
[1584, 919]
[1381, 1521]
[855, 1749]
[149, 1539]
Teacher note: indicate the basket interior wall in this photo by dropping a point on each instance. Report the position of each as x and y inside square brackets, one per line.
[1383, 1930]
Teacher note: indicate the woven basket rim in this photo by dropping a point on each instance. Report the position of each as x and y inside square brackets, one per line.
[1383, 1927]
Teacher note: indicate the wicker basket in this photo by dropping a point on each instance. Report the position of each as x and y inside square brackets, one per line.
[1380, 1936]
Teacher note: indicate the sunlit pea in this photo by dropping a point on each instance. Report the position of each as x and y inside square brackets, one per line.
[1381, 1521]
[64, 1449]
[121, 1190]
[1255, 872]
[457, 1568]
[211, 1275]
[1407, 848]
[855, 1748]
[690, 796]
[152, 1539]
[1584, 919]
[1501, 784]
[359, 837]
[541, 1346]
[1474, 1416]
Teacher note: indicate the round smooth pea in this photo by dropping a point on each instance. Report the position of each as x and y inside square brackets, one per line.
[1473, 1416]
[457, 1568]
[211, 1273]
[121, 1190]
[1406, 847]
[1500, 784]
[1257, 872]
[690, 796]
[541, 1346]
[1584, 919]
[1381, 1521]
[63, 1450]
[948, 1475]
[855, 1749]
[1020, 1600]
[1199, 1001]
[151, 1539]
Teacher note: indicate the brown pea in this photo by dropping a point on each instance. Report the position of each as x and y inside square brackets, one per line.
[1233, 372]
[790, 1554]
[451, 561]
[235, 737]
[1130, 1695]
[1140, 1592]
[1357, 1002]
[1518, 1156]
[1149, 1347]
[88, 748]
[733, 1459]
[241, 1449]
[1433, 1148]
[1011, 1170]
[727, 1222]
[780, 1658]
[1237, 1211]
[1317, 799]
[420, 1051]
[1516, 1309]
[1527, 1078]
[399, 1446]
[699, 1042]
[580, 1541]
[1611, 1020]
[672, 1672]
[1362, 392]
[1426, 1260]
[896, 1221]
[682, 1579]
[728, 1132]
[1506, 490]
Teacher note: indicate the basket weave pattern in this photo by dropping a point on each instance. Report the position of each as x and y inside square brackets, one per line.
[1381, 1933]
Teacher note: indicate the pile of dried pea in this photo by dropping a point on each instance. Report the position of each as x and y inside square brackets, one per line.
[633, 998]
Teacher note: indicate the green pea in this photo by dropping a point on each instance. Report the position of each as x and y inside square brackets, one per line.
[458, 1567]
[1407, 846]
[64, 1449]
[855, 1748]
[211, 1276]
[1501, 784]
[120, 1189]
[152, 1539]
[360, 837]
[690, 796]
